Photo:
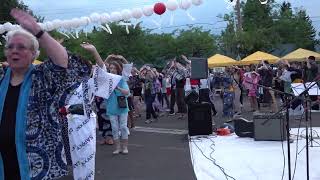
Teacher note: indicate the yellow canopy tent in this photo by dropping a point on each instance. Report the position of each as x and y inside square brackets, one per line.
[256, 58]
[219, 60]
[300, 55]
[35, 62]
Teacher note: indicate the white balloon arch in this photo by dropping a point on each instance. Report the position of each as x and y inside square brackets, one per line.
[105, 18]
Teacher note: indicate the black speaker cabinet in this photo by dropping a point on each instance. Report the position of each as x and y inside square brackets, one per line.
[191, 97]
[199, 68]
[243, 127]
[199, 119]
[268, 127]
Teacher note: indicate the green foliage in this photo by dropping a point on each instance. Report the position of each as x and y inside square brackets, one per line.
[265, 27]
[140, 46]
[5, 8]
[196, 41]
[295, 28]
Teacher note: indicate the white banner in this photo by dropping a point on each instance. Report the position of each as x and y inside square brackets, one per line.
[126, 72]
[82, 128]
[82, 139]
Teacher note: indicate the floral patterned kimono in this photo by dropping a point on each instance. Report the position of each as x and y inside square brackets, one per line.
[43, 148]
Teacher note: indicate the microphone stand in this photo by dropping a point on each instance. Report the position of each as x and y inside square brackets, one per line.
[307, 116]
[286, 106]
[305, 93]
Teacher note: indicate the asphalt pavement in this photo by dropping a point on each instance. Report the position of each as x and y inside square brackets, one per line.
[160, 150]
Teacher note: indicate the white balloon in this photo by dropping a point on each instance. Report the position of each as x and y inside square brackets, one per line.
[115, 16]
[185, 4]
[137, 13]
[15, 27]
[95, 17]
[66, 24]
[85, 21]
[57, 23]
[147, 10]
[7, 26]
[49, 26]
[105, 17]
[42, 26]
[172, 5]
[197, 2]
[76, 22]
[126, 14]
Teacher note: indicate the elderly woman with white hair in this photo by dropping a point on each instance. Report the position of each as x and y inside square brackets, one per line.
[31, 144]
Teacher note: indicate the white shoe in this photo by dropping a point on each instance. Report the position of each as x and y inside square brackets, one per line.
[125, 151]
[117, 151]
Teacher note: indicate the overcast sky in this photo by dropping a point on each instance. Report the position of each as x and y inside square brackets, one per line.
[205, 13]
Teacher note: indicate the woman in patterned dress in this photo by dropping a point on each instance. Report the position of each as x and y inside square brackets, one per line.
[31, 143]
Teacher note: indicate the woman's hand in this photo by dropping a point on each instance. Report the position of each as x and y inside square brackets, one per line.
[89, 47]
[92, 49]
[123, 91]
[26, 21]
[55, 51]
[4, 64]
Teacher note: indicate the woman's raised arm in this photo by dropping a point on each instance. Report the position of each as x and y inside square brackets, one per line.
[56, 52]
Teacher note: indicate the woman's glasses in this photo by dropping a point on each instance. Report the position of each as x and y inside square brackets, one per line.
[19, 47]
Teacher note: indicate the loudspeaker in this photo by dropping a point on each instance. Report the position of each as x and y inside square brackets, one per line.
[243, 127]
[199, 119]
[191, 97]
[199, 68]
[269, 127]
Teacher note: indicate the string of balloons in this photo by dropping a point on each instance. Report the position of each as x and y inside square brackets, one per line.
[104, 18]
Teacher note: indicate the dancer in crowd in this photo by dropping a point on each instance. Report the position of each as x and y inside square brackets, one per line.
[164, 97]
[178, 74]
[251, 80]
[149, 93]
[228, 93]
[27, 92]
[310, 69]
[104, 123]
[266, 76]
[136, 87]
[117, 109]
[117, 113]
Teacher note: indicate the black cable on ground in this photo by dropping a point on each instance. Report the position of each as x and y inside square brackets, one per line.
[211, 158]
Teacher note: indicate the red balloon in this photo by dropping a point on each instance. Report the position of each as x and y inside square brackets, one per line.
[159, 8]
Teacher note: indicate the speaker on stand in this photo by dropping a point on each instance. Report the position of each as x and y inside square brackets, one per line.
[199, 68]
[199, 111]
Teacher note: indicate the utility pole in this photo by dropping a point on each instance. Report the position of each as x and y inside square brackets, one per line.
[238, 14]
[238, 25]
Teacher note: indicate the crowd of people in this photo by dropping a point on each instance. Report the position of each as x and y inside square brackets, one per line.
[32, 128]
[261, 83]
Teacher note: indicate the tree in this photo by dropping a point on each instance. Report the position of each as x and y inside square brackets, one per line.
[285, 25]
[258, 27]
[305, 32]
[295, 28]
[196, 41]
[229, 40]
[5, 8]
[7, 5]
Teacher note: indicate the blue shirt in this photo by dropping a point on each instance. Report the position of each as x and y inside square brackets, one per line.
[112, 102]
